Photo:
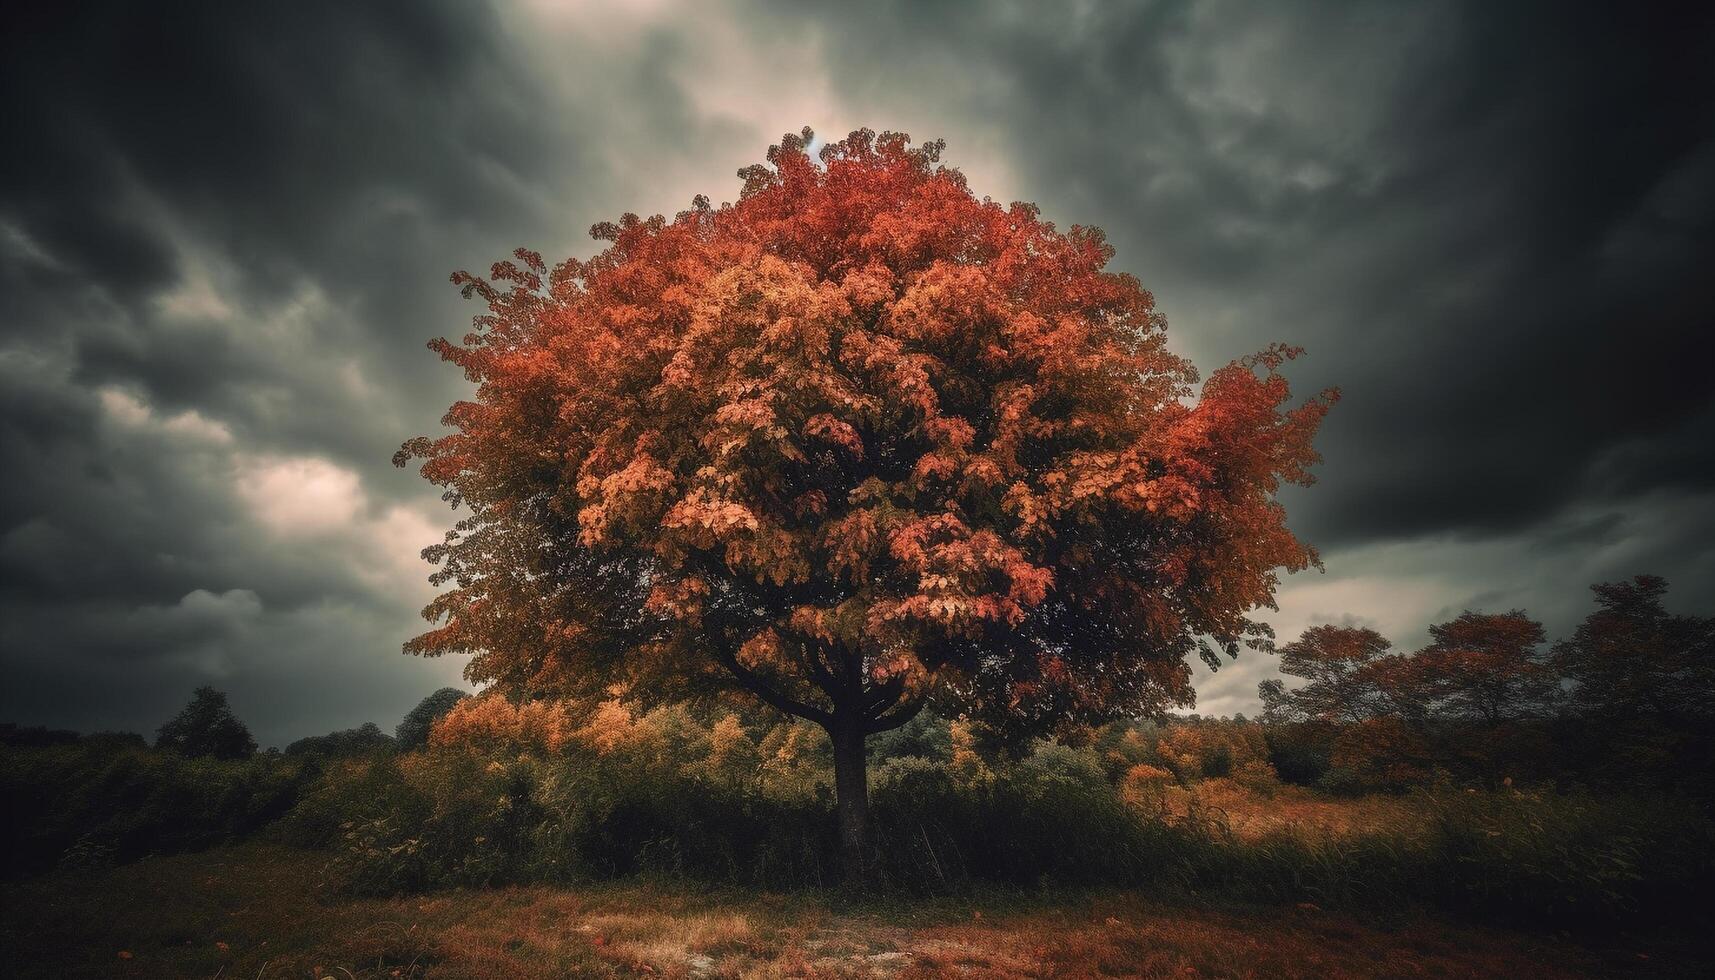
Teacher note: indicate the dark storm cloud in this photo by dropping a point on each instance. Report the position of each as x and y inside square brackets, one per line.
[237, 211]
[133, 573]
[303, 143]
[225, 231]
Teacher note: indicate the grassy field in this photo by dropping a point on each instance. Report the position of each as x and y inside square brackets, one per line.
[122, 861]
[260, 911]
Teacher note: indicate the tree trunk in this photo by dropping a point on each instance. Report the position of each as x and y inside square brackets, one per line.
[851, 795]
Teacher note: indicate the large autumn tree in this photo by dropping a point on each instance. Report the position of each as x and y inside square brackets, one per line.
[858, 441]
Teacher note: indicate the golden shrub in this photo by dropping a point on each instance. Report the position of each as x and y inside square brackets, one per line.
[492, 722]
[967, 766]
[1146, 786]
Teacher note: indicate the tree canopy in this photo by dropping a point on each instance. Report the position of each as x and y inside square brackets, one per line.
[1484, 666]
[366, 739]
[1631, 657]
[859, 431]
[1342, 665]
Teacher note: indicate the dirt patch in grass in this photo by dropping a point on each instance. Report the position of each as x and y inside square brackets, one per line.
[263, 912]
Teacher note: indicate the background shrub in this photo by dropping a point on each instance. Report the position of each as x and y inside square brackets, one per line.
[413, 729]
[112, 801]
[366, 739]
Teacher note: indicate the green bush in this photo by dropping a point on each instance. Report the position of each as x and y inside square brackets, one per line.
[1052, 819]
[1299, 752]
[108, 800]
[399, 824]
[413, 729]
[615, 817]
[366, 739]
[348, 791]
[453, 817]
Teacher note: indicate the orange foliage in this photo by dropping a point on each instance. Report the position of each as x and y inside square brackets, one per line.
[1193, 751]
[733, 754]
[857, 439]
[1256, 774]
[1482, 666]
[491, 721]
[611, 725]
[967, 765]
[1146, 786]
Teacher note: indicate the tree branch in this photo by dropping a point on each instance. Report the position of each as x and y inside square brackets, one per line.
[886, 723]
[884, 696]
[749, 680]
[819, 672]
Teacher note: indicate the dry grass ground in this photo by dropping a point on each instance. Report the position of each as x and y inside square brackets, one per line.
[261, 912]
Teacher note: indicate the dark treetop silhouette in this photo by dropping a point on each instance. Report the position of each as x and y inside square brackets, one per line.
[207, 727]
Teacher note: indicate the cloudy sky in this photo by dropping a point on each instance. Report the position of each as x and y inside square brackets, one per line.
[225, 233]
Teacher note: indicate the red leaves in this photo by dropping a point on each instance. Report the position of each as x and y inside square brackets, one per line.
[835, 430]
[859, 388]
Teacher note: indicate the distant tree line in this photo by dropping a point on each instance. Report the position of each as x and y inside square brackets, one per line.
[207, 728]
[1629, 697]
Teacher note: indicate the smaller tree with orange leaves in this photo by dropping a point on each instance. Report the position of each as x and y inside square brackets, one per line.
[1343, 667]
[1486, 667]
